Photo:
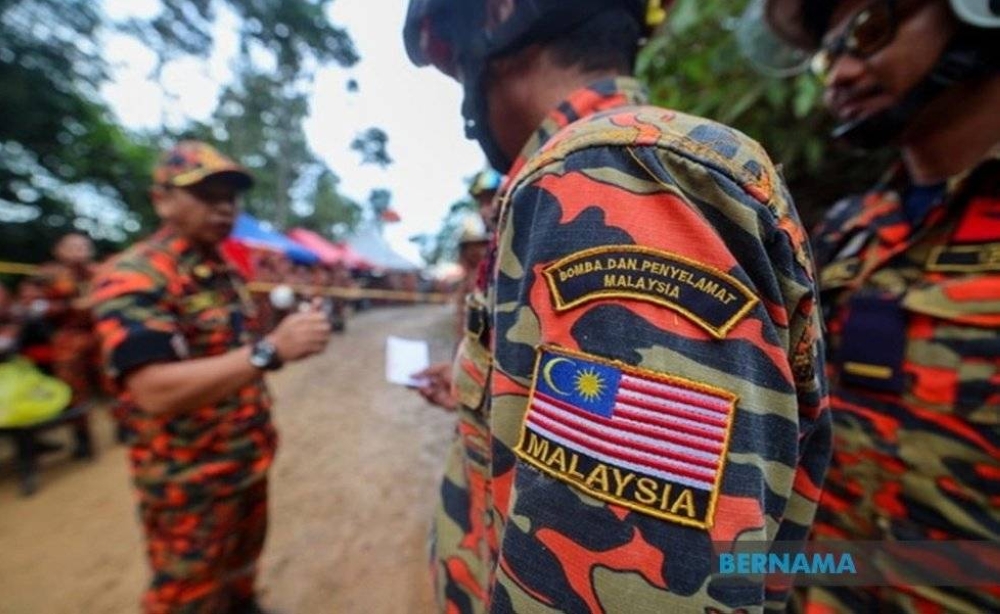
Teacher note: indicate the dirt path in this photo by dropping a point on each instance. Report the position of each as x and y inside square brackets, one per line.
[351, 496]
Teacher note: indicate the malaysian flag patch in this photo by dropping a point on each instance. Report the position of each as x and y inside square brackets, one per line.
[652, 442]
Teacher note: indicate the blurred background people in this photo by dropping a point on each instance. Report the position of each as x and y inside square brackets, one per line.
[484, 189]
[65, 285]
[475, 232]
[8, 324]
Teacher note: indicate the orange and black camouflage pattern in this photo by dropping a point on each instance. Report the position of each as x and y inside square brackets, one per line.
[162, 300]
[194, 550]
[914, 380]
[523, 533]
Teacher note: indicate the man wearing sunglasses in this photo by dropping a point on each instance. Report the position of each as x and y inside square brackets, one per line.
[642, 377]
[180, 339]
[910, 277]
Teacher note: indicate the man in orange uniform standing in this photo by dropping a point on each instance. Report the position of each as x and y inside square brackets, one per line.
[65, 283]
[180, 339]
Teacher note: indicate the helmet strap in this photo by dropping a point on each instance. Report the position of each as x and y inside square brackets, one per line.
[475, 110]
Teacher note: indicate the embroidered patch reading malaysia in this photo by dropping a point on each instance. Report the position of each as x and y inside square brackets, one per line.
[712, 299]
[965, 258]
[651, 442]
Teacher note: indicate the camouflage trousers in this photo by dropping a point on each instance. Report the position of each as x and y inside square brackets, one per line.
[204, 558]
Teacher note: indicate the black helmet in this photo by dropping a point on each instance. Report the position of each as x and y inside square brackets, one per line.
[971, 54]
[459, 38]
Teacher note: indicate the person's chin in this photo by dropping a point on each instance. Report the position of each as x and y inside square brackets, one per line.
[861, 107]
[220, 232]
[210, 239]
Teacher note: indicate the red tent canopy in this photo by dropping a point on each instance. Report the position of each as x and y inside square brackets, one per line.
[329, 253]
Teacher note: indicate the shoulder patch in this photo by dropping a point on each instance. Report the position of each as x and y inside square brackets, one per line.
[649, 441]
[709, 297]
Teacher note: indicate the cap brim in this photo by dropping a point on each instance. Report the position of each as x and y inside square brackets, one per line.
[236, 176]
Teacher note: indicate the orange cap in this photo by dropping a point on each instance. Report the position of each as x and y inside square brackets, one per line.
[190, 162]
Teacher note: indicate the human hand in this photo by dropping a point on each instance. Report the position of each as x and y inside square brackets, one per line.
[301, 334]
[436, 386]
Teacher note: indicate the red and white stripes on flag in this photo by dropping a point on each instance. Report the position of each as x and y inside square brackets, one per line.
[655, 427]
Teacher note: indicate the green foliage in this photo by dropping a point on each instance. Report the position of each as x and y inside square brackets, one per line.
[333, 215]
[292, 186]
[66, 163]
[442, 246]
[272, 146]
[372, 145]
[696, 67]
[297, 33]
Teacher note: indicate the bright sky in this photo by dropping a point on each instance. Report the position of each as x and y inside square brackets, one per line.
[418, 108]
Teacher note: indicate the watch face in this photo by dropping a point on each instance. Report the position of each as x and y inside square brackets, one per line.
[263, 355]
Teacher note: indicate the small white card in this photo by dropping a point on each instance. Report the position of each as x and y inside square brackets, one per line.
[404, 357]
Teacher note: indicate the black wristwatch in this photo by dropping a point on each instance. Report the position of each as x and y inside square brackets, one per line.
[264, 355]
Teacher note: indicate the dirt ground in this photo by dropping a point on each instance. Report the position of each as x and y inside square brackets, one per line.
[352, 492]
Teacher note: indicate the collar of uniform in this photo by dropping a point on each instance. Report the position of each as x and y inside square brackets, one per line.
[186, 252]
[883, 208]
[883, 212]
[598, 96]
[897, 180]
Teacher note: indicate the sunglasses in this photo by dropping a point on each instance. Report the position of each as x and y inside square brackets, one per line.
[868, 32]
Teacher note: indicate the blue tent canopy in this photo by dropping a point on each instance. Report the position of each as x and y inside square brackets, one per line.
[249, 230]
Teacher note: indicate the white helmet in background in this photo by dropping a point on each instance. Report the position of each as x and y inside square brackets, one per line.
[978, 13]
[472, 230]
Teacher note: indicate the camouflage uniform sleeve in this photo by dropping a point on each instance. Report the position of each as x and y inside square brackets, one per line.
[658, 384]
[135, 323]
[830, 234]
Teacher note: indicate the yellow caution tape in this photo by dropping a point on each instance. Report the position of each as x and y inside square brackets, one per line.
[18, 269]
[259, 286]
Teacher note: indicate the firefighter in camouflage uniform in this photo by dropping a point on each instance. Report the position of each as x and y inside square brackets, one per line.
[910, 279]
[180, 341]
[65, 283]
[641, 374]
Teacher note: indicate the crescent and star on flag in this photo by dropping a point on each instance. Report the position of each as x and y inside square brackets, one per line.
[587, 383]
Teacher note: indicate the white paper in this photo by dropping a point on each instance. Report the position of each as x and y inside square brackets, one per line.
[404, 357]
